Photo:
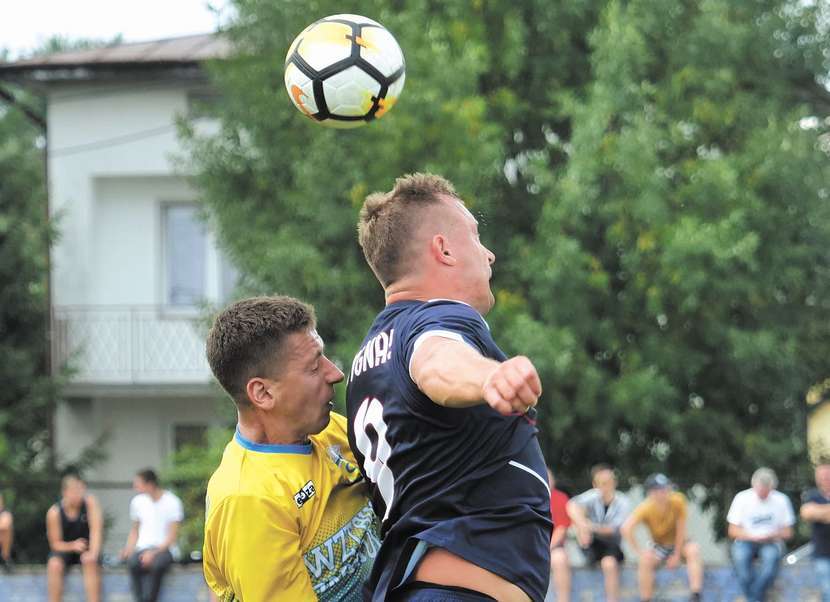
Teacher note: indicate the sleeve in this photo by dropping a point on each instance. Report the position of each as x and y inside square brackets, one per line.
[177, 510]
[246, 533]
[450, 320]
[134, 509]
[735, 514]
[583, 499]
[809, 496]
[558, 512]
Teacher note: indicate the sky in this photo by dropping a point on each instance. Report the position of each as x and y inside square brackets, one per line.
[27, 24]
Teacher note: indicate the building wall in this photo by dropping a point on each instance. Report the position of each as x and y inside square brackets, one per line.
[112, 170]
[137, 432]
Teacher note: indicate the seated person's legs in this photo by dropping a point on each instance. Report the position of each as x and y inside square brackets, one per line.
[561, 568]
[742, 554]
[769, 560]
[136, 575]
[91, 570]
[610, 565]
[822, 568]
[694, 566]
[649, 560]
[161, 563]
[6, 535]
[55, 570]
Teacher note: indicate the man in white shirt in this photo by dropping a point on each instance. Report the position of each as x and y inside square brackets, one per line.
[156, 514]
[760, 520]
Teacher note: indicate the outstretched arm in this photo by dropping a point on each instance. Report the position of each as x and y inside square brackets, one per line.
[455, 375]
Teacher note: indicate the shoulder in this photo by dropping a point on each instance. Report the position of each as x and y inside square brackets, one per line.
[558, 496]
[742, 496]
[812, 495]
[679, 499]
[781, 498]
[54, 510]
[586, 497]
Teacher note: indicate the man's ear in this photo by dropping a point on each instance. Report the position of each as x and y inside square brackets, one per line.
[440, 250]
[262, 393]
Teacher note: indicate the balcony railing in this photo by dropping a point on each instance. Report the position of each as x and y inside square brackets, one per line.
[129, 345]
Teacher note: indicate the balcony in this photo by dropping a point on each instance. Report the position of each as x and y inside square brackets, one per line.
[129, 345]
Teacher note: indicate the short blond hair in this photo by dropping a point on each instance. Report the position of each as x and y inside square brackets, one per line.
[388, 221]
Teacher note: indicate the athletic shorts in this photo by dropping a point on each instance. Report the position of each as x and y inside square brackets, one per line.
[599, 549]
[418, 591]
[69, 558]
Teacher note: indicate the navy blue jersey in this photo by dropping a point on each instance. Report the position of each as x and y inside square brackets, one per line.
[468, 480]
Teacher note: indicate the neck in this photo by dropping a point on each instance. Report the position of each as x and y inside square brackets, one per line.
[424, 289]
[608, 497]
[258, 427]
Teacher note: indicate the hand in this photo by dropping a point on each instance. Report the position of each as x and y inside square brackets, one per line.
[147, 557]
[673, 561]
[88, 556]
[79, 546]
[513, 386]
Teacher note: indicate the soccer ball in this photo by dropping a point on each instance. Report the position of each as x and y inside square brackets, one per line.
[344, 71]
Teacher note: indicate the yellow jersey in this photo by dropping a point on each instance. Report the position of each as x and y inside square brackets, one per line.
[662, 521]
[289, 522]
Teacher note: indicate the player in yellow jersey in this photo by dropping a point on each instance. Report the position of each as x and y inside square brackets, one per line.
[287, 512]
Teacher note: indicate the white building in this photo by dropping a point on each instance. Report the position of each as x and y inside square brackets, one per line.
[134, 263]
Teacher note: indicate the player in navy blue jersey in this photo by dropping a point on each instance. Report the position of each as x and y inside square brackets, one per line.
[440, 420]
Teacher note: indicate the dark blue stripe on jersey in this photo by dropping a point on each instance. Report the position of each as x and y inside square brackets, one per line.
[444, 472]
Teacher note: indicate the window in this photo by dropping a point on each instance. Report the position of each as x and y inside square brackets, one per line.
[185, 253]
[185, 435]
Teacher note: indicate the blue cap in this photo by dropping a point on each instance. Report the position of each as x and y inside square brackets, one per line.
[657, 481]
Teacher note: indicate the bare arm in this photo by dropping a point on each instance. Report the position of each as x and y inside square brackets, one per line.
[815, 513]
[172, 534]
[132, 538]
[96, 525]
[737, 532]
[454, 375]
[559, 534]
[577, 515]
[54, 532]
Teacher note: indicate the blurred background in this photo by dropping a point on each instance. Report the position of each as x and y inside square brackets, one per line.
[652, 176]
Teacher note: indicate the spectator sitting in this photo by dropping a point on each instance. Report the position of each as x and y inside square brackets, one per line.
[815, 509]
[760, 520]
[559, 564]
[74, 528]
[664, 513]
[6, 535]
[156, 515]
[597, 516]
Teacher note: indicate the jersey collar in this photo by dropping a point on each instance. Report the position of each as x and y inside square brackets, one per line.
[272, 448]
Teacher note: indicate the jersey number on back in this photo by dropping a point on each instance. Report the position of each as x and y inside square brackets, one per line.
[370, 435]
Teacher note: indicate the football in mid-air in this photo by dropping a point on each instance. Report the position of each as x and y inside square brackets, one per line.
[344, 71]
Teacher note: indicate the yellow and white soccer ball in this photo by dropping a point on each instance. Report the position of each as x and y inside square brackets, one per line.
[344, 71]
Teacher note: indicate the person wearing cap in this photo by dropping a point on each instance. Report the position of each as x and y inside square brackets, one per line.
[663, 512]
[760, 520]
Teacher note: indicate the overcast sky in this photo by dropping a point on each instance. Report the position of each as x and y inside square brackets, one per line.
[26, 24]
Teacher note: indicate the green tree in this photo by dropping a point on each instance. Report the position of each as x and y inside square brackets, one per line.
[650, 173]
[29, 391]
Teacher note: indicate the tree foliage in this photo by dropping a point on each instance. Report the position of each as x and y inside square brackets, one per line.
[28, 392]
[652, 176]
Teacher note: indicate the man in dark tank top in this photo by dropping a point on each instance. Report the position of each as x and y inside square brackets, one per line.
[74, 527]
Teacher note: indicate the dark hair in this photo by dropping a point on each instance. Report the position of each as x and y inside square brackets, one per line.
[389, 219]
[148, 475]
[71, 475]
[247, 336]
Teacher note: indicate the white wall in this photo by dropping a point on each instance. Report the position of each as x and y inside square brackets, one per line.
[139, 434]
